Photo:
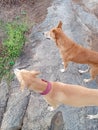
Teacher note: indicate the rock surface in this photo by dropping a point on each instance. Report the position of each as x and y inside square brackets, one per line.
[4, 95]
[28, 111]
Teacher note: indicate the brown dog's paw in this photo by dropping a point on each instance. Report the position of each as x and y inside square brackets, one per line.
[62, 70]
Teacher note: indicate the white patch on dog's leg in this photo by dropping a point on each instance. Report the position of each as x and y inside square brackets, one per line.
[92, 116]
[87, 80]
[50, 108]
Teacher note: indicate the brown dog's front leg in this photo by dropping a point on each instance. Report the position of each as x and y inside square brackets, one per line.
[65, 66]
[93, 73]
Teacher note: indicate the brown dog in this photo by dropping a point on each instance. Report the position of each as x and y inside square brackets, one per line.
[57, 93]
[70, 51]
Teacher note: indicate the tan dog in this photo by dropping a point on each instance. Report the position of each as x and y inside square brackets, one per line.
[57, 93]
[70, 51]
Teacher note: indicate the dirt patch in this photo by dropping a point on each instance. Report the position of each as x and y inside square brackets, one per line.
[30, 11]
[26, 11]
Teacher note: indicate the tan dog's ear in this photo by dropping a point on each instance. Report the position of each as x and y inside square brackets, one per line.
[35, 73]
[60, 24]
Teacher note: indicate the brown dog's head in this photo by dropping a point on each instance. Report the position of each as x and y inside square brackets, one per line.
[25, 77]
[54, 32]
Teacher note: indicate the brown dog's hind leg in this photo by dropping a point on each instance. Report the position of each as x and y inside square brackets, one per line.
[65, 64]
[93, 73]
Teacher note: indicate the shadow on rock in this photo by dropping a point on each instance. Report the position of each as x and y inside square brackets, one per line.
[57, 122]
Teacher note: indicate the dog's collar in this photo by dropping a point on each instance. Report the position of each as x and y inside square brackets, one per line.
[48, 88]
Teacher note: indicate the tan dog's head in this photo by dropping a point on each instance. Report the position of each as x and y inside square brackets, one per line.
[54, 32]
[25, 77]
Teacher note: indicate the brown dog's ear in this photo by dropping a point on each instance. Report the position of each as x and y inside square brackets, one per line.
[35, 73]
[60, 24]
[54, 31]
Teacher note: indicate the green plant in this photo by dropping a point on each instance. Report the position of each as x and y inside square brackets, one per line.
[12, 46]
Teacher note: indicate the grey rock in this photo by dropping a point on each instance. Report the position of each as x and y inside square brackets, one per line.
[57, 122]
[15, 110]
[37, 116]
[4, 94]
[80, 23]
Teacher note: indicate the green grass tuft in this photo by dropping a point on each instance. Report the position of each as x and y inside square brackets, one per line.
[12, 46]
